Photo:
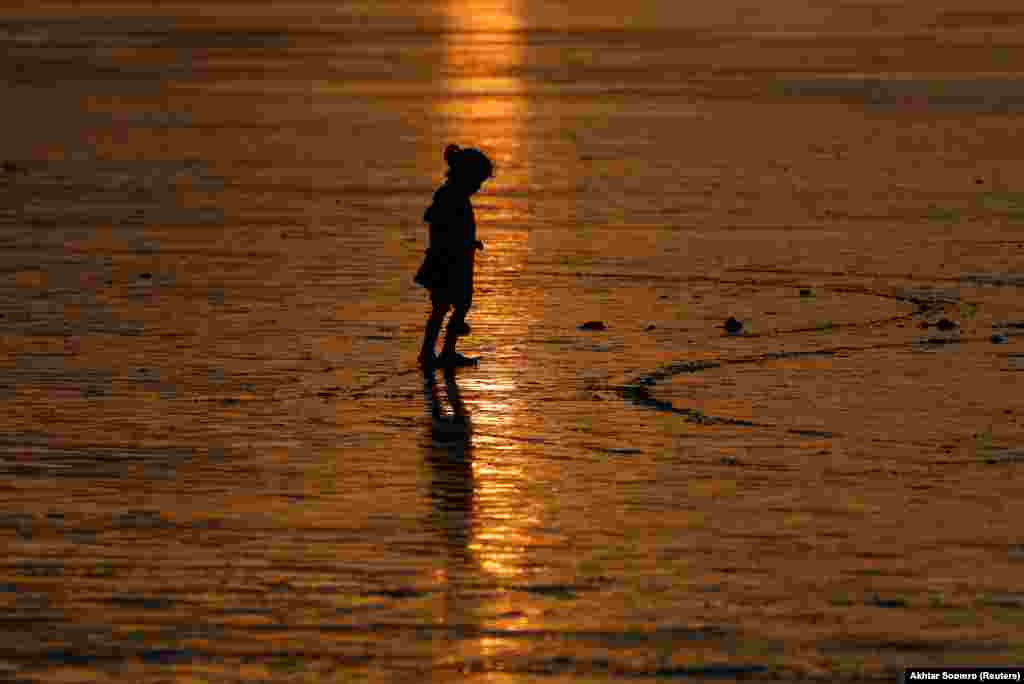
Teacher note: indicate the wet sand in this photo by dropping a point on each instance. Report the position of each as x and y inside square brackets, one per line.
[221, 464]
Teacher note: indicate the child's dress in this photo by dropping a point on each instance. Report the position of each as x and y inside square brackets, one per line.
[447, 269]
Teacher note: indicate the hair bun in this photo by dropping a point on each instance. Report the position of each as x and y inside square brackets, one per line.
[450, 153]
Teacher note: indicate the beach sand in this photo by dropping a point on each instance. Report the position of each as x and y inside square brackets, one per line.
[222, 465]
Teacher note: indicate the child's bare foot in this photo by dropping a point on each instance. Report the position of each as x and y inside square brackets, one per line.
[456, 359]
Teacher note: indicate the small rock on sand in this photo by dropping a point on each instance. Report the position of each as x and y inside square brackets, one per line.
[942, 324]
[999, 339]
[593, 325]
[732, 325]
[806, 292]
[650, 327]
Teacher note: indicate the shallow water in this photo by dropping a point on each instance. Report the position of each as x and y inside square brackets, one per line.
[222, 465]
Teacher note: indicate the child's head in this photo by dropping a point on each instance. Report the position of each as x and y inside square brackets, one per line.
[468, 167]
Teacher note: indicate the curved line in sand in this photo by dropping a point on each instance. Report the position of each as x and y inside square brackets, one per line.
[637, 391]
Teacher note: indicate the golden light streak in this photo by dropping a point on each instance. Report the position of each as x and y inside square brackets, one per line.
[487, 107]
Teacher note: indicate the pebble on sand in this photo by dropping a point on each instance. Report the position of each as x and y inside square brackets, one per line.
[806, 292]
[593, 325]
[945, 324]
[650, 327]
[999, 339]
[732, 325]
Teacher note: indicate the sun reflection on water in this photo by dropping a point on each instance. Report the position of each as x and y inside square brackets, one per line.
[486, 106]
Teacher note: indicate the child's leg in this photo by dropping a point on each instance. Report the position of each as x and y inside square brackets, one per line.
[455, 324]
[433, 329]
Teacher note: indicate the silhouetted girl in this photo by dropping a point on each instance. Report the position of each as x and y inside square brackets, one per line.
[447, 270]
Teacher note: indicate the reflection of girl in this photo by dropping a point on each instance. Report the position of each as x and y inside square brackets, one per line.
[447, 270]
[449, 452]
